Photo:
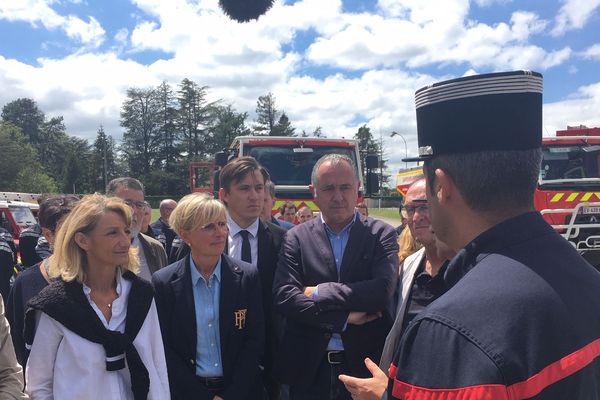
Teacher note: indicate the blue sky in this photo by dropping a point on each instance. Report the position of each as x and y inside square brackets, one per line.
[329, 63]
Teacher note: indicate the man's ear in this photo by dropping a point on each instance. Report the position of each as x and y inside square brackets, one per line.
[82, 241]
[222, 194]
[312, 190]
[444, 187]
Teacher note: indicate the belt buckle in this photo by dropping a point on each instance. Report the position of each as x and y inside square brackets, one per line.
[329, 360]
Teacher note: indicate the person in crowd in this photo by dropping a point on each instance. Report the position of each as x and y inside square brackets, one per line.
[53, 210]
[28, 240]
[269, 203]
[421, 283]
[150, 251]
[288, 212]
[98, 333]
[403, 218]
[363, 209]
[161, 225]
[147, 228]
[11, 373]
[7, 265]
[304, 214]
[519, 318]
[334, 284]
[210, 310]
[256, 242]
[408, 245]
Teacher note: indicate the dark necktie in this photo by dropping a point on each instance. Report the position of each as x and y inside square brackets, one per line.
[246, 252]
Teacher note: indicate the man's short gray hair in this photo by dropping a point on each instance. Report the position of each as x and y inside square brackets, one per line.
[127, 182]
[270, 188]
[491, 181]
[333, 159]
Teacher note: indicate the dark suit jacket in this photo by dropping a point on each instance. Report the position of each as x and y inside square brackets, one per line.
[270, 237]
[367, 282]
[241, 349]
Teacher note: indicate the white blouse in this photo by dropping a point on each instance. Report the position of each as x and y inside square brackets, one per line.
[63, 365]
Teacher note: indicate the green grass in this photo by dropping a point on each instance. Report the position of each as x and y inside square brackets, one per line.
[155, 214]
[387, 213]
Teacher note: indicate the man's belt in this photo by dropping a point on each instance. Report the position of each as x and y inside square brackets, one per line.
[336, 357]
[212, 383]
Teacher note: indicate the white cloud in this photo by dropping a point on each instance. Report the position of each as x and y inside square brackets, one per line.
[39, 12]
[573, 14]
[592, 52]
[581, 108]
[422, 33]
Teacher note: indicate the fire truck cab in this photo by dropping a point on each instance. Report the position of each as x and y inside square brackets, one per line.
[290, 161]
[568, 192]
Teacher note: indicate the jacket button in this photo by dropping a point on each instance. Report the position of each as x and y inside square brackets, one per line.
[192, 361]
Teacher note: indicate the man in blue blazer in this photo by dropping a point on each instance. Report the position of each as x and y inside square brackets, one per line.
[210, 310]
[334, 283]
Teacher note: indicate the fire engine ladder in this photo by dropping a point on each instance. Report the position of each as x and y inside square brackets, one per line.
[572, 229]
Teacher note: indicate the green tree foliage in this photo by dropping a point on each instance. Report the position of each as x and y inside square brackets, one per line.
[318, 132]
[194, 117]
[227, 125]
[283, 127]
[20, 169]
[139, 117]
[25, 114]
[103, 166]
[266, 114]
[168, 140]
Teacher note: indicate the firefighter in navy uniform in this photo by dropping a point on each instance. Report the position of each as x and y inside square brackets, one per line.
[7, 262]
[521, 315]
[28, 240]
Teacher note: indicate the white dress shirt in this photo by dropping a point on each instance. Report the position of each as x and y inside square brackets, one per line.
[235, 240]
[63, 365]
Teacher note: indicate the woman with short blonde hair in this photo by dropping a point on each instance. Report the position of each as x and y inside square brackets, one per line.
[206, 296]
[99, 330]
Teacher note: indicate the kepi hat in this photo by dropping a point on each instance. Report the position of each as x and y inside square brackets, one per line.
[490, 112]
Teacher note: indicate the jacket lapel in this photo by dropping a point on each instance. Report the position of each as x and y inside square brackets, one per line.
[230, 287]
[352, 252]
[324, 247]
[264, 245]
[185, 309]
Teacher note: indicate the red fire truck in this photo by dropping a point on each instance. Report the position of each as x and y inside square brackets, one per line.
[568, 193]
[290, 161]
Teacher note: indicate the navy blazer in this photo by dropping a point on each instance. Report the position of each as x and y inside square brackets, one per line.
[241, 346]
[367, 282]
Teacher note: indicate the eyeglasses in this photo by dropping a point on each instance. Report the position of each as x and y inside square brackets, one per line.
[213, 226]
[421, 208]
[140, 205]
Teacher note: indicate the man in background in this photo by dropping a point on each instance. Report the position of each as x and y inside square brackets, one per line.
[165, 208]
[151, 253]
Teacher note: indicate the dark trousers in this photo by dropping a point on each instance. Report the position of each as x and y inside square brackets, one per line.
[326, 385]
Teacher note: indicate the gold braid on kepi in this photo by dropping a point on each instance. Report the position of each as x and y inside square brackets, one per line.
[245, 10]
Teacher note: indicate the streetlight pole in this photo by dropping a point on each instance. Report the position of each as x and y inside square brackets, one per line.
[394, 133]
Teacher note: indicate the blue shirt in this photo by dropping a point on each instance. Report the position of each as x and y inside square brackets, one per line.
[206, 304]
[338, 243]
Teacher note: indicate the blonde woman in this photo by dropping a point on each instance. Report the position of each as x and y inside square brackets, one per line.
[210, 309]
[408, 244]
[99, 331]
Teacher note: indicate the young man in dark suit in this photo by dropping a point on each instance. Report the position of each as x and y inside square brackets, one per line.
[334, 283]
[257, 242]
[210, 310]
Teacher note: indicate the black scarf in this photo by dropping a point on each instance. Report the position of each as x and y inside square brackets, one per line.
[66, 303]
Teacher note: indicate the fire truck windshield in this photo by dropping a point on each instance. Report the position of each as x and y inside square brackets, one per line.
[289, 167]
[22, 215]
[570, 163]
